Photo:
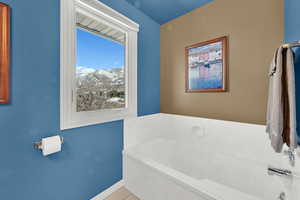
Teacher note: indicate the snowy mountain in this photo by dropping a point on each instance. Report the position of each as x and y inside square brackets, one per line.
[84, 70]
[113, 74]
[100, 88]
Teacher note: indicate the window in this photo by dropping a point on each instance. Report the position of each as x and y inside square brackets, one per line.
[100, 72]
[98, 64]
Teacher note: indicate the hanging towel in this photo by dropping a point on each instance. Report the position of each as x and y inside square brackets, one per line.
[289, 100]
[281, 111]
[274, 110]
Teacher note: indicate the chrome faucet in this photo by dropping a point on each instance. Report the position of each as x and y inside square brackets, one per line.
[281, 196]
[279, 172]
[291, 155]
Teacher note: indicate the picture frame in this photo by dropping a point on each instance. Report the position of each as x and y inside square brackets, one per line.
[4, 52]
[206, 66]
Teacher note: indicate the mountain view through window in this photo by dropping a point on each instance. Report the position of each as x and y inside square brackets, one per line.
[100, 72]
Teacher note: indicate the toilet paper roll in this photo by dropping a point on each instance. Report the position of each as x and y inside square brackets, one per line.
[51, 145]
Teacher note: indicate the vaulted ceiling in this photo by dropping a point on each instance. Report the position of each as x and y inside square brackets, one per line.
[163, 11]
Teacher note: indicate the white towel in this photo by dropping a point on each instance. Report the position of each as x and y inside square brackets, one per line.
[290, 74]
[275, 108]
[281, 111]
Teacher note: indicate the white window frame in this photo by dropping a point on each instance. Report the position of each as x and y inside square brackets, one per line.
[69, 118]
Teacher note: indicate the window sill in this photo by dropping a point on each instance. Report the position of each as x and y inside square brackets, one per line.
[85, 121]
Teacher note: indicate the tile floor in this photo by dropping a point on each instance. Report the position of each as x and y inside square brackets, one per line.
[122, 194]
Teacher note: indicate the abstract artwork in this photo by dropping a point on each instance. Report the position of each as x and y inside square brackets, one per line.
[206, 66]
[4, 52]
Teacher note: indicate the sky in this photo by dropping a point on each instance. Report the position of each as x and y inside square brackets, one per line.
[97, 52]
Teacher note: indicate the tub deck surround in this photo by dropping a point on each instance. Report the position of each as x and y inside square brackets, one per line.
[179, 157]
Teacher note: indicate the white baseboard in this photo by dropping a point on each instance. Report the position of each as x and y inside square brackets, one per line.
[109, 190]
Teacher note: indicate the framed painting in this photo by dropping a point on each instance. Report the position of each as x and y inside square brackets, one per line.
[4, 52]
[206, 66]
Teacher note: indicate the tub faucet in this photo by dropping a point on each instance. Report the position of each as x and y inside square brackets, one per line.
[279, 172]
[281, 196]
[291, 154]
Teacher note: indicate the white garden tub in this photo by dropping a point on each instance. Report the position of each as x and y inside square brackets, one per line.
[171, 157]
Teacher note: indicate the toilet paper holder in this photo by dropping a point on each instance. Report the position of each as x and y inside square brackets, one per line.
[38, 145]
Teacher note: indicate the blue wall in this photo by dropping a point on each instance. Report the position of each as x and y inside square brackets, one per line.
[292, 22]
[91, 159]
[292, 33]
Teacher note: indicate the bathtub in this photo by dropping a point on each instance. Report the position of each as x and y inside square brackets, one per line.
[172, 157]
